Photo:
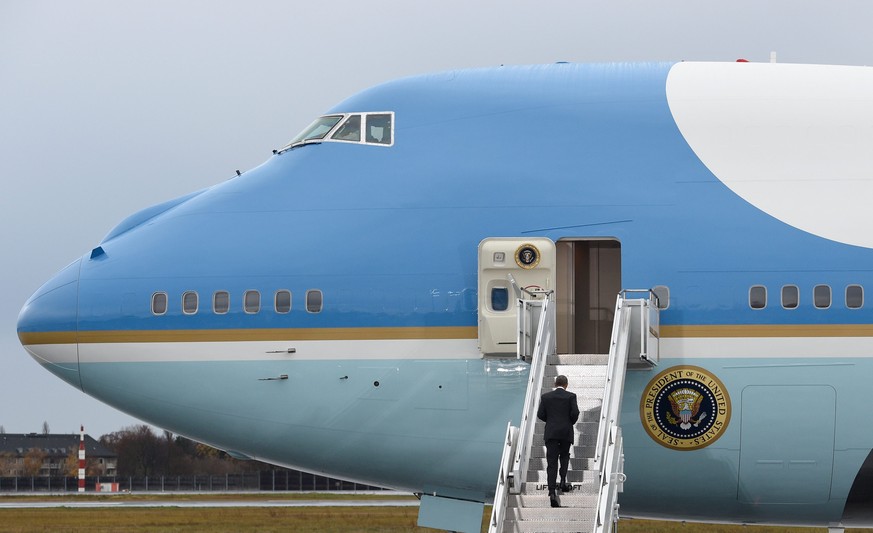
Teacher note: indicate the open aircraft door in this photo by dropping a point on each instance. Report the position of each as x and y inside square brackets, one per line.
[510, 268]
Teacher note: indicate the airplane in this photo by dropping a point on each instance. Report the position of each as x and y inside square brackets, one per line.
[346, 307]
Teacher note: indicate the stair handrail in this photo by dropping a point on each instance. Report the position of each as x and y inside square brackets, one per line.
[615, 372]
[607, 508]
[543, 347]
[607, 429]
[501, 494]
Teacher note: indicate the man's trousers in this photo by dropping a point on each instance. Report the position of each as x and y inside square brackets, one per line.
[557, 450]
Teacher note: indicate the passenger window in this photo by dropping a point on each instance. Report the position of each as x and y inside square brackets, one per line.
[159, 303]
[314, 301]
[821, 296]
[190, 302]
[790, 296]
[252, 302]
[499, 299]
[220, 302]
[854, 297]
[663, 294]
[758, 297]
[379, 128]
[350, 130]
[283, 301]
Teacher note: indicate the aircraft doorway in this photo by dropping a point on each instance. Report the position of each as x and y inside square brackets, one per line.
[588, 279]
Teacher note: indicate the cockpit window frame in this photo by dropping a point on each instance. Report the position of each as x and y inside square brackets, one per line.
[306, 136]
[369, 136]
[342, 125]
[301, 139]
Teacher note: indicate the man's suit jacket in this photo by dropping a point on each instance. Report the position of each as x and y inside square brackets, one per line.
[559, 410]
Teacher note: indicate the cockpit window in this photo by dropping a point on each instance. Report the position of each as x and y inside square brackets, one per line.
[317, 130]
[350, 130]
[379, 128]
[364, 128]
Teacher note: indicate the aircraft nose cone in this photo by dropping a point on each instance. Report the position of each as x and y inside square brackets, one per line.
[47, 325]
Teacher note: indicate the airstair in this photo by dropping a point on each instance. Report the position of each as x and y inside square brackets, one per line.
[521, 501]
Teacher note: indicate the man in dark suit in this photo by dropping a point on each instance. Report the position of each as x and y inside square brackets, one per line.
[559, 410]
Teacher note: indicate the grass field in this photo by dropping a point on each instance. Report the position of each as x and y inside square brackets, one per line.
[277, 519]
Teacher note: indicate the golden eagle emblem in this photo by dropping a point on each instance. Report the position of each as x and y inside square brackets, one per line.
[685, 403]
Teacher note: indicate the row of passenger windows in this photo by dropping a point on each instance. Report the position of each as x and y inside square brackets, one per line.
[251, 302]
[821, 296]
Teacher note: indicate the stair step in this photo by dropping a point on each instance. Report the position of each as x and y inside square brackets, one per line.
[581, 427]
[551, 514]
[586, 403]
[592, 398]
[584, 439]
[577, 383]
[586, 416]
[550, 371]
[586, 488]
[576, 463]
[513, 526]
[577, 498]
[573, 476]
[582, 452]
[578, 359]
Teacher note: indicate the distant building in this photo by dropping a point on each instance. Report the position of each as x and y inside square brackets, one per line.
[35, 454]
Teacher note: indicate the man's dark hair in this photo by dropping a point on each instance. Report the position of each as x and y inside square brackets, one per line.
[561, 381]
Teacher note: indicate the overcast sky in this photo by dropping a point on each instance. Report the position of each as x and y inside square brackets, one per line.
[107, 107]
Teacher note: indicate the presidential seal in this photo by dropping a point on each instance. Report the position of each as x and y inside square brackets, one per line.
[527, 256]
[685, 408]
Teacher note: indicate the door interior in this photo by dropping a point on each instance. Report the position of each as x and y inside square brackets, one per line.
[588, 279]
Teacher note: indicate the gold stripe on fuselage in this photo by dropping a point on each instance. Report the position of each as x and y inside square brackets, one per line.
[229, 335]
[47, 337]
[767, 330]
[417, 333]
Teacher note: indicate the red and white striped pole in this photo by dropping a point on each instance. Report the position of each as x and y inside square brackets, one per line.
[82, 458]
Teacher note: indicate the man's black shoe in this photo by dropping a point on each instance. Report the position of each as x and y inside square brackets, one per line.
[566, 487]
[554, 500]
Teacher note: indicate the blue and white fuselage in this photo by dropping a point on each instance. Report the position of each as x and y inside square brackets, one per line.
[321, 310]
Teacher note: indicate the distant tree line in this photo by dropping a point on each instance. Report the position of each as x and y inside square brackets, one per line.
[141, 452]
